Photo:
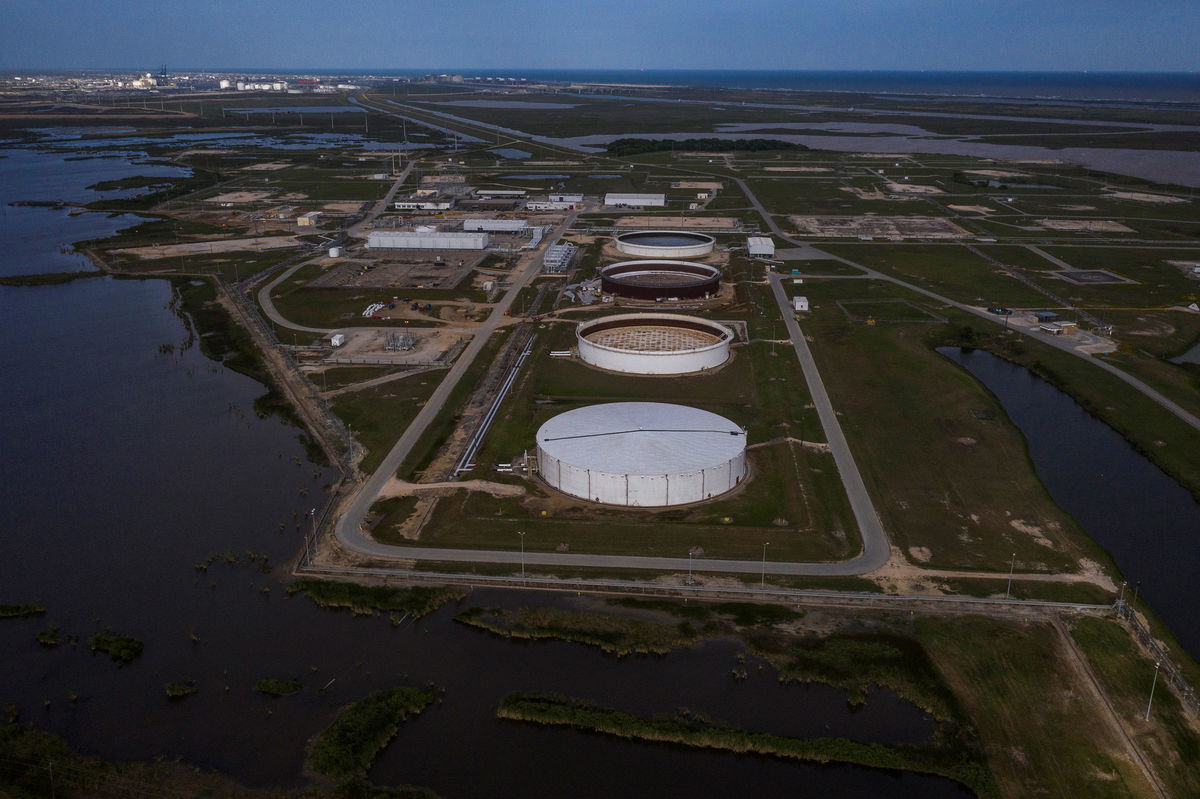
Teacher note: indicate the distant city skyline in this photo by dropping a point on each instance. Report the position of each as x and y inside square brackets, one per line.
[1019, 35]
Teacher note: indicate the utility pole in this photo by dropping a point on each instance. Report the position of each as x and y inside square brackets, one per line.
[763, 582]
[522, 535]
[1011, 567]
[1153, 685]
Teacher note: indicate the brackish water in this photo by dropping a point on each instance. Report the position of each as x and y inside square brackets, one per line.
[129, 457]
[1147, 521]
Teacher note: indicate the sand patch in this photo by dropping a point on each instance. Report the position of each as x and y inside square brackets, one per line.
[886, 227]
[1142, 197]
[920, 554]
[971, 209]
[268, 166]
[698, 184]
[1033, 531]
[912, 188]
[863, 194]
[995, 173]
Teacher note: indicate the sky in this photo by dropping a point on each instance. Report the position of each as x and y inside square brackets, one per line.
[1002, 35]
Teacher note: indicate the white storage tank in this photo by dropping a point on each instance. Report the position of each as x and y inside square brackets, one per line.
[653, 344]
[641, 454]
[665, 243]
[335, 252]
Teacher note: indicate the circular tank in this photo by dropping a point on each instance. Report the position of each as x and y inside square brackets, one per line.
[665, 243]
[653, 344]
[647, 454]
[660, 280]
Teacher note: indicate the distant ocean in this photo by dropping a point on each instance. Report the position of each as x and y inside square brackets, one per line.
[1141, 87]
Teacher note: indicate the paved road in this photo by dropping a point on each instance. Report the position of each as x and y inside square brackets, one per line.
[264, 294]
[876, 548]
[348, 524]
[1054, 341]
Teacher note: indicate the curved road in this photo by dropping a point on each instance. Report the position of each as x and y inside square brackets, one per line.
[1053, 341]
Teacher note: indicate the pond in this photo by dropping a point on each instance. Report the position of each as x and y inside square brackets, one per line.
[1147, 521]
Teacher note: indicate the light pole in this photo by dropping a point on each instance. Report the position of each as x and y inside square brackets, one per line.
[763, 582]
[1011, 567]
[690, 580]
[522, 535]
[1157, 664]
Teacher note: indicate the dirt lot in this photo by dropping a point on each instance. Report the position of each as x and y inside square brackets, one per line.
[269, 166]
[913, 188]
[995, 173]
[698, 184]
[430, 345]
[240, 197]
[673, 222]
[971, 209]
[797, 169]
[1085, 225]
[217, 245]
[888, 227]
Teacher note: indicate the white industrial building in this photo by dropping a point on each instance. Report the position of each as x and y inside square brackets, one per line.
[760, 247]
[311, 219]
[496, 225]
[566, 198]
[425, 240]
[549, 205]
[647, 454]
[653, 344]
[619, 200]
[799, 304]
[502, 193]
[423, 205]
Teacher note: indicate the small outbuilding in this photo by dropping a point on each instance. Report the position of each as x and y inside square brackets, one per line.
[760, 247]
[799, 304]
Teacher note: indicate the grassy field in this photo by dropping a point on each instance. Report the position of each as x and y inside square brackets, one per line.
[1031, 715]
[950, 475]
[378, 416]
[950, 270]
[1126, 674]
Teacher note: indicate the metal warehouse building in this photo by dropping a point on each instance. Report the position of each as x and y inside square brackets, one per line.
[399, 240]
[760, 247]
[647, 454]
[635, 200]
[496, 225]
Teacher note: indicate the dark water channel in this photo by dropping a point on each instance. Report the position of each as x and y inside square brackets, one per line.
[1147, 521]
[128, 457]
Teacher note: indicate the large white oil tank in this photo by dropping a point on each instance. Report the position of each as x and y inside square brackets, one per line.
[653, 343]
[647, 454]
[335, 252]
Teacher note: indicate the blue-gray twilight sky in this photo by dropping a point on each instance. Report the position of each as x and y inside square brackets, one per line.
[1144, 35]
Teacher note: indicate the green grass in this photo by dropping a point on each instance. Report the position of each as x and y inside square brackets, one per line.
[47, 279]
[1083, 593]
[365, 600]
[181, 689]
[20, 611]
[613, 634]
[122, 649]
[1029, 712]
[378, 416]
[444, 424]
[698, 732]
[1125, 673]
[930, 440]
[948, 269]
[48, 637]
[278, 688]
[362, 729]
[389, 514]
